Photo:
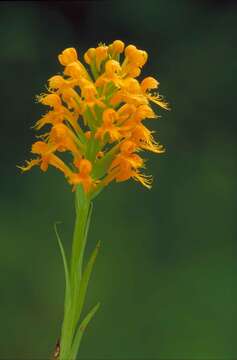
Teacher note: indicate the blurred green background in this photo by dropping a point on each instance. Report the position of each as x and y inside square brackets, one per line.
[166, 272]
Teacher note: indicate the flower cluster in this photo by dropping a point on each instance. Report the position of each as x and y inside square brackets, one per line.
[96, 114]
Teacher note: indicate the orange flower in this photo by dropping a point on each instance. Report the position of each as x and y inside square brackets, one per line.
[110, 118]
[126, 165]
[46, 158]
[68, 56]
[62, 139]
[83, 177]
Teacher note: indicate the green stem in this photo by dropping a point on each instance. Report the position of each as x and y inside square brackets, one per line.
[71, 316]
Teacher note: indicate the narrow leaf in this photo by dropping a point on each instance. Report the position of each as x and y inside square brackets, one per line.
[66, 271]
[85, 280]
[80, 331]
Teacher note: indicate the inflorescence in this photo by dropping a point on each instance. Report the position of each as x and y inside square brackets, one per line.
[97, 115]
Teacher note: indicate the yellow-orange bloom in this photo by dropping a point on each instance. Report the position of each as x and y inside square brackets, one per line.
[111, 74]
[116, 47]
[62, 138]
[126, 165]
[46, 158]
[149, 83]
[89, 55]
[101, 53]
[109, 126]
[97, 113]
[67, 56]
[52, 100]
[83, 177]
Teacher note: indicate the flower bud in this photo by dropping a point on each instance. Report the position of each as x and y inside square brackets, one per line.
[67, 56]
[89, 55]
[118, 46]
[112, 67]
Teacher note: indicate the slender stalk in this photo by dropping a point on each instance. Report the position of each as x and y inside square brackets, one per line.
[71, 316]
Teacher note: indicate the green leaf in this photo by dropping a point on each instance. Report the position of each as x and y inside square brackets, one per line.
[85, 280]
[66, 271]
[80, 331]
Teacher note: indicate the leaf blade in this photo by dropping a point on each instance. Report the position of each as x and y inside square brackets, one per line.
[85, 281]
[66, 270]
[80, 331]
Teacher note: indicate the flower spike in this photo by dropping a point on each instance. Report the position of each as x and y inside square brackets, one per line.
[97, 110]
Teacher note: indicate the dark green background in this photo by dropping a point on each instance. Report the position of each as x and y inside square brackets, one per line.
[166, 274]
